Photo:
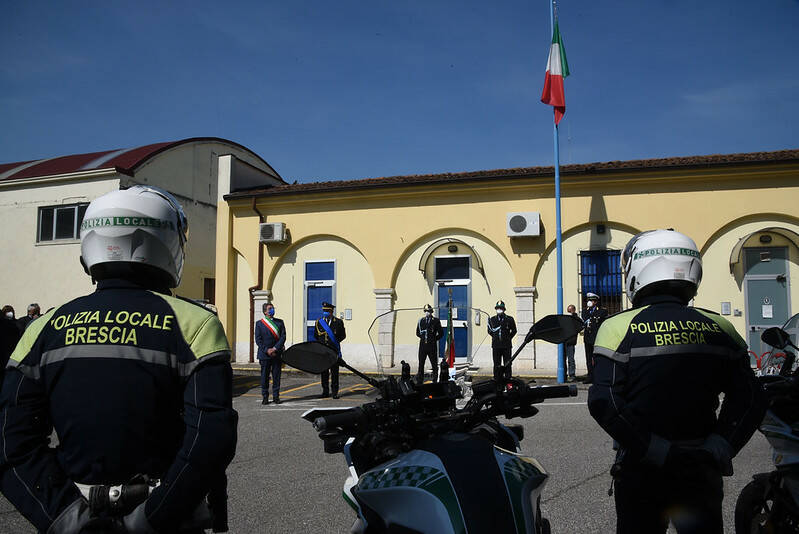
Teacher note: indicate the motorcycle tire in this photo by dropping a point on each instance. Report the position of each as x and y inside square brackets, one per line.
[756, 512]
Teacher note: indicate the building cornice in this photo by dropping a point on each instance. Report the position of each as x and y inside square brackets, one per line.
[596, 173]
[68, 177]
[767, 175]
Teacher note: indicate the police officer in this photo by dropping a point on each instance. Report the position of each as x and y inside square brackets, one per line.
[593, 315]
[501, 328]
[660, 368]
[136, 383]
[270, 336]
[429, 331]
[329, 330]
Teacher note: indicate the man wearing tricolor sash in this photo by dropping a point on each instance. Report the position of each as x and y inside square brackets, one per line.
[270, 336]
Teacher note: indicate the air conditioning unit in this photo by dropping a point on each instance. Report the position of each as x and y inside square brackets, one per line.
[273, 233]
[524, 224]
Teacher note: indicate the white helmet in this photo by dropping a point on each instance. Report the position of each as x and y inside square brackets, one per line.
[143, 226]
[661, 256]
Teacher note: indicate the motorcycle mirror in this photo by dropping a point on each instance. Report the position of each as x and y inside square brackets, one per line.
[776, 337]
[552, 328]
[555, 328]
[310, 357]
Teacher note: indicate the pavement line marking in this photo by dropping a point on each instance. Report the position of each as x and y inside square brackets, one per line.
[299, 387]
[352, 388]
[565, 404]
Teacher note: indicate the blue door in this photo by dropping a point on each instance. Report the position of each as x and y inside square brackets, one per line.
[460, 318]
[315, 296]
[320, 281]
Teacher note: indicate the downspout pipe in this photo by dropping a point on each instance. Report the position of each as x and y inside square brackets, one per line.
[256, 287]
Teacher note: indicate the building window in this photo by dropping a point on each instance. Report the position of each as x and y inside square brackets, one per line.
[60, 222]
[320, 282]
[600, 273]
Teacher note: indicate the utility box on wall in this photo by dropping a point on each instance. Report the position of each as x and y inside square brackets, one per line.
[523, 224]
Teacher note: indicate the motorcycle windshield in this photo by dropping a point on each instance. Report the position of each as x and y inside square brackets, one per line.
[457, 333]
[791, 327]
[771, 362]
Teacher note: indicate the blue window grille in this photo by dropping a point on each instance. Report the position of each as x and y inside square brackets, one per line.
[600, 273]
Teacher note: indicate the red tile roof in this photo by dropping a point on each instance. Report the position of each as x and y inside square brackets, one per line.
[526, 172]
[123, 160]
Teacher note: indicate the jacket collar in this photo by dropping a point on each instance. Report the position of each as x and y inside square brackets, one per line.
[121, 283]
[659, 299]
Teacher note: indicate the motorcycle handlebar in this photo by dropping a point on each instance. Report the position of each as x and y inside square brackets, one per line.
[345, 420]
[551, 392]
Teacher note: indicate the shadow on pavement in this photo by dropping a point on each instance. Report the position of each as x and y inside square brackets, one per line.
[243, 383]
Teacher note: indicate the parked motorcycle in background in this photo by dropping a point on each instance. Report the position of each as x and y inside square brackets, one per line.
[419, 464]
[770, 502]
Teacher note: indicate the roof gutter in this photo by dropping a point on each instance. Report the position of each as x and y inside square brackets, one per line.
[257, 287]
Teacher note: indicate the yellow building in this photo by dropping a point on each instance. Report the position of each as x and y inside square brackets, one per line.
[375, 245]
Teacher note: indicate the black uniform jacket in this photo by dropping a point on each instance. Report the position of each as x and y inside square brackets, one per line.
[336, 326]
[660, 369]
[429, 330]
[133, 382]
[501, 328]
[592, 318]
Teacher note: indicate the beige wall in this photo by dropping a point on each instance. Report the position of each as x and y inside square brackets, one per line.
[49, 273]
[353, 290]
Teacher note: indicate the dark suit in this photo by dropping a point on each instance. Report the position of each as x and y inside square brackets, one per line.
[266, 339]
[592, 317]
[568, 353]
[501, 328]
[337, 327]
[429, 331]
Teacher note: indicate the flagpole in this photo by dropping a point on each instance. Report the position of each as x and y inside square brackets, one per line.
[558, 237]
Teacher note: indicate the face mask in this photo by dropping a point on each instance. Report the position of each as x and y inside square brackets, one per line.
[500, 312]
[270, 312]
[428, 314]
[325, 314]
[10, 315]
[590, 303]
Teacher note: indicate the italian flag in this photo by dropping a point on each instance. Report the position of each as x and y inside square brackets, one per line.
[557, 70]
[450, 345]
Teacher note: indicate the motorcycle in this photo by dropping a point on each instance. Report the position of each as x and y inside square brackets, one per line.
[418, 463]
[770, 502]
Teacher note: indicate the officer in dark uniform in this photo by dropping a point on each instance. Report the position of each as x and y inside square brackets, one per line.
[270, 336]
[593, 315]
[429, 331]
[501, 328]
[660, 368]
[136, 383]
[329, 330]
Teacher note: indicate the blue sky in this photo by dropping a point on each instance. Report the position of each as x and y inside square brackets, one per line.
[345, 90]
